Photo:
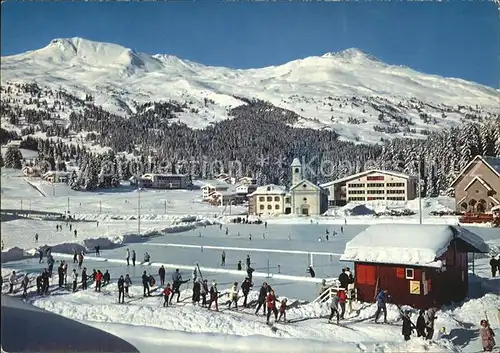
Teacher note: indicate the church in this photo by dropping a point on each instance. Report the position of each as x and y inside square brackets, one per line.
[302, 199]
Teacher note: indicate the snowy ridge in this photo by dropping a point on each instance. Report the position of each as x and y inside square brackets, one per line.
[346, 91]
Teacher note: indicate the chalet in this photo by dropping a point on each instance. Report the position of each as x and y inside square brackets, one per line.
[243, 190]
[371, 185]
[477, 187]
[165, 181]
[211, 186]
[225, 178]
[417, 264]
[223, 198]
[247, 181]
[30, 171]
[56, 177]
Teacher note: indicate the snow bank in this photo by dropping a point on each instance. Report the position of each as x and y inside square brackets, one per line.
[14, 254]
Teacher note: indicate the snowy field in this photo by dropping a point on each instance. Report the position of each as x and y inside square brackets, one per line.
[191, 232]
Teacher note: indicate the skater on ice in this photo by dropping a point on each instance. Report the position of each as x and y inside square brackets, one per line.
[223, 259]
[240, 266]
[134, 257]
[161, 273]
[127, 257]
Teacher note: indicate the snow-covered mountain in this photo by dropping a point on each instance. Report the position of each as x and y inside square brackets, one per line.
[357, 95]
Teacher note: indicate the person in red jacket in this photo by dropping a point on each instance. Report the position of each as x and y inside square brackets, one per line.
[98, 280]
[166, 294]
[342, 300]
[271, 306]
[282, 310]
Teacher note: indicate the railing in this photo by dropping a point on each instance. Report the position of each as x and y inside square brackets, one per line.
[332, 291]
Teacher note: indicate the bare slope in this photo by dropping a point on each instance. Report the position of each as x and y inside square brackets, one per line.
[352, 92]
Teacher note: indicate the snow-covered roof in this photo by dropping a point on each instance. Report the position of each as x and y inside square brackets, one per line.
[316, 187]
[56, 172]
[491, 162]
[270, 189]
[408, 244]
[214, 183]
[296, 163]
[354, 176]
[484, 183]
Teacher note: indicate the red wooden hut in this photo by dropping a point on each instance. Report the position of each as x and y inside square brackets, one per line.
[418, 264]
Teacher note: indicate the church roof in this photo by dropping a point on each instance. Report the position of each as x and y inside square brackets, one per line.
[296, 163]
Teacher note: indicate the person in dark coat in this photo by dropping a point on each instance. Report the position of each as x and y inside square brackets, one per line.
[60, 273]
[134, 257]
[204, 292]
[421, 324]
[39, 285]
[84, 278]
[344, 279]
[494, 264]
[240, 267]
[121, 290]
[382, 298]
[407, 326]
[45, 282]
[40, 257]
[245, 287]
[106, 278]
[250, 271]
[196, 291]
[262, 298]
[161, 273]
[214, 296]
[311, 272]
[145, 284]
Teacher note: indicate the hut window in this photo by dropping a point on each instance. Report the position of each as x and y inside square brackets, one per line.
[365, 274]
[409, 273]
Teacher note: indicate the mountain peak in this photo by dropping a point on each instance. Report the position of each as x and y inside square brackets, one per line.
[351, 54]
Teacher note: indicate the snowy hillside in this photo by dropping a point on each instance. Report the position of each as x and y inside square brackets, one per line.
[353, 93]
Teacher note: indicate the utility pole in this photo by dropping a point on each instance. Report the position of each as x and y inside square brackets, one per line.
[100, 206]
[165, 206]
[68, 206]
[139, 210]
[420, 189]
[53, 190]
[21, 204]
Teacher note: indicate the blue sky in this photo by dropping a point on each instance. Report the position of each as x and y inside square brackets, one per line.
[457, 39]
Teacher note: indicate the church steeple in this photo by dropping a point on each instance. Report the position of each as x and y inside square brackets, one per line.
[296, 171]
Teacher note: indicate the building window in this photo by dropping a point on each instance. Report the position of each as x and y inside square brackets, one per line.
[277, 198]
[262, 198]
[375, 185]
[269, 198]
[356, 185]
[304, 185]
[392, 185]
[261, 207]
[268, 188]
[375, 178]
[409, 273]
[297, 170]
[304, 199]
[477, 191]
[269, 207]
[287, 200]
[277, 207]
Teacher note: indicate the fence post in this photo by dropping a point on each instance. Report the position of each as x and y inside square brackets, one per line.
[279, 269]
[268, 270]
[202, 248]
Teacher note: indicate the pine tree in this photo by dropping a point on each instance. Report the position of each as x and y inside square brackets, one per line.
[13, 158]
[1, 160]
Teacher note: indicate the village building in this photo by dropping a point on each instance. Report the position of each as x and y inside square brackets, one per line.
[477, 187]
[211, 186]
[371, 185]
[164, 181]
[304, 198]
[56, 176]
[30, 171]
[416, 264]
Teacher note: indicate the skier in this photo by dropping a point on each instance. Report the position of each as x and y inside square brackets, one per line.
[407, 329]
[70, 227]
[74, 279]
[76, 233]
[430, 316]
[106, 278]
[127, 284]
[75, 256]
[127, 257]
[334, 308]
[382, 297]
[40, 257]
[421, 324]
[12, 281]
[80, 260]
[264, 236]
[134, 256]
[194, 275]
[162, 273]
[39, 284]
[494, 265]
[146, 258]
[98, 280]
[342, 229]
[245, 287]
[249, 236]
[227, 230]
[166, 294]
[283, 310]
[84, 278]
[240, 267]
[248, 262]
[196, 291]
[233, 296]
[97, 249]
[151, 281]
[311, 271]
[344, 279]
[50, 261]
[45, 282]
[121, 290]
[250, 271]
[487, 336]
[176, 285]
[204, 292]
[271, 306]
[342, 299]
[145, 284]
[60, 272]
[65, 272]
[214, 296]
[36, 238]
[24, 285]
[262, 298]
[223, 259]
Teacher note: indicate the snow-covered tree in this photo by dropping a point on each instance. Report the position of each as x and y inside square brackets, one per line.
[13, 158]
